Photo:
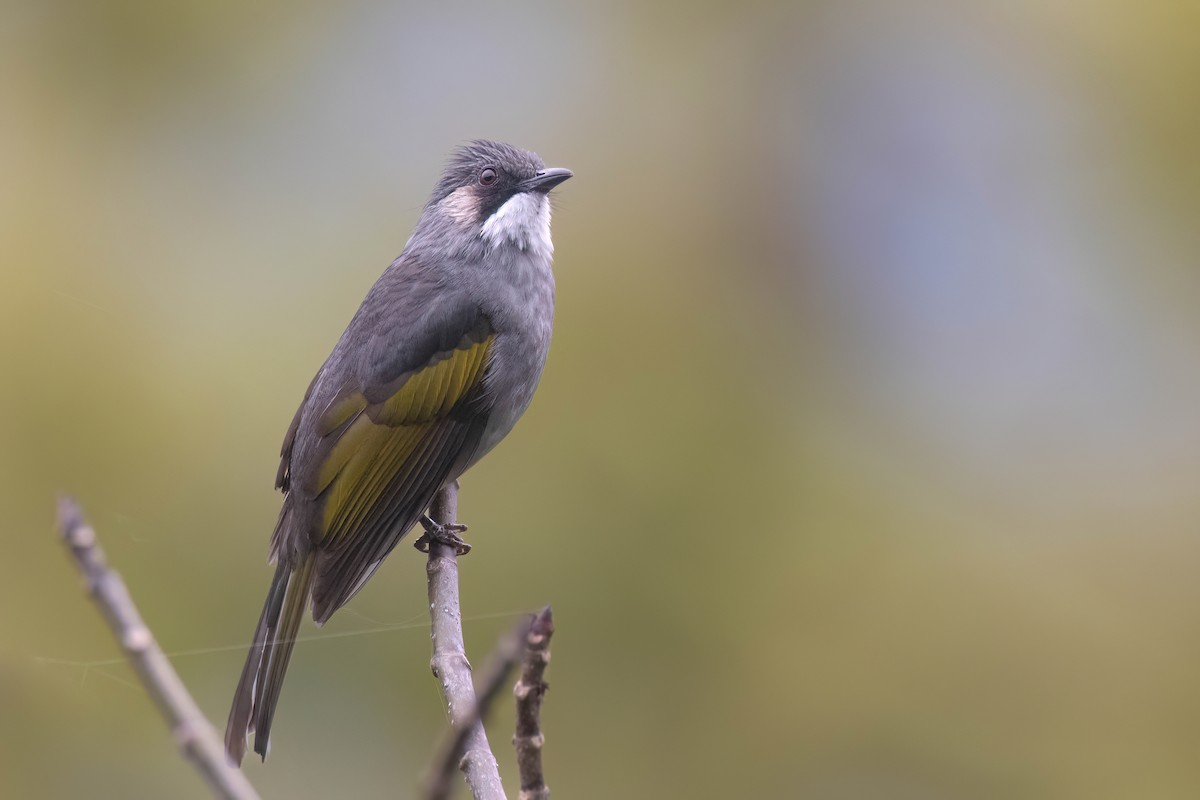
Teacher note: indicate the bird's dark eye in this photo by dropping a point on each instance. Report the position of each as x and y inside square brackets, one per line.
[487, 177]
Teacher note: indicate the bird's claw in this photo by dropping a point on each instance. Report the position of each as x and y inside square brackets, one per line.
[437, 532]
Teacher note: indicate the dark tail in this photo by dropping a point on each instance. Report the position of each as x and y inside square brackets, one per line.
[258, 689]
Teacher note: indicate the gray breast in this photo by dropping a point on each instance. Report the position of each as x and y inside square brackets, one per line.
[521, 307]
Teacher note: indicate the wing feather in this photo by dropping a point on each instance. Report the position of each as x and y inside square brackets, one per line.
[386, 459]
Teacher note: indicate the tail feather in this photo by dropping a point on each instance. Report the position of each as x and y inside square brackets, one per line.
[258, 688]
[278, 653]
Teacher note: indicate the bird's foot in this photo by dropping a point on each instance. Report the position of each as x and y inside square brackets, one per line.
[436, 532]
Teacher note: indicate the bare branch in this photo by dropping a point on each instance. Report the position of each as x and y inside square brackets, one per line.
[449, 662]
[193, 733]
[492, 676]
[530, 690]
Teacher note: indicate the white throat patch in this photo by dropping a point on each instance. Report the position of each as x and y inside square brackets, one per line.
[523, 220]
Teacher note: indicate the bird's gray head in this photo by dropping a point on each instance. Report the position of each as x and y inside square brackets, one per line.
[499, 194]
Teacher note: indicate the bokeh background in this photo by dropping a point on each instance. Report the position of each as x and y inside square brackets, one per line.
[866, 463]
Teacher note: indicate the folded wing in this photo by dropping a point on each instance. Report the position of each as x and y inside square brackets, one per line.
[387, 449]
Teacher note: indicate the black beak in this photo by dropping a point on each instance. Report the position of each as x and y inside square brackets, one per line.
[546, 180]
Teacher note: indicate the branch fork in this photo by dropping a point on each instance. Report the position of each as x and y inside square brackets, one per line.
[464, 748]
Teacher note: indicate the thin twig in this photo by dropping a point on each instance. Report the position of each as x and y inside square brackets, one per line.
[530, 690]
[194, 734]
[449, 662]
[491, 678]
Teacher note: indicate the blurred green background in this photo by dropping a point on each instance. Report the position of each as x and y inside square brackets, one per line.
[866, 461]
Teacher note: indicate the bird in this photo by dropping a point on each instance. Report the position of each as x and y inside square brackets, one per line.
[433, 370]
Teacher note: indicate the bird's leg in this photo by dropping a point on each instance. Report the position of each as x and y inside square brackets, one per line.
[441, 533]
